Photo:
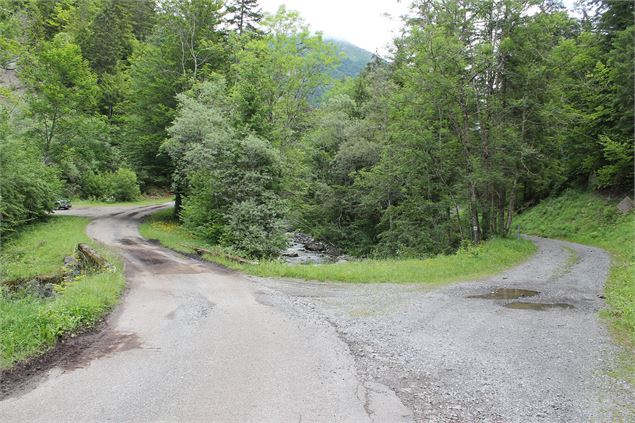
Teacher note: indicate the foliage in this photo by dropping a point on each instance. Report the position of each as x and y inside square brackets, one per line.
[61, 88]
[29, 325]
[484, 107]
[469, 263]
[244, 15]
[230, 181]
[121, 185]
[276, 76]
[28, 188]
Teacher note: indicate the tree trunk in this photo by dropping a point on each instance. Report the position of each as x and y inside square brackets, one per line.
[510, 211]
[476, 230]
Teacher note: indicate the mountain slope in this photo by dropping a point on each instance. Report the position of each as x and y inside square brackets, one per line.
[353, 59]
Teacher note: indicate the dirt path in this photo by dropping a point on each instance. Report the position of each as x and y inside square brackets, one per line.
[192, 342]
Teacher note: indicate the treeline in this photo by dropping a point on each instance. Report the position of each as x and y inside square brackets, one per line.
[485, 106]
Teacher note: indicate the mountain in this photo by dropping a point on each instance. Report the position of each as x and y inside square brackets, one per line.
[354, 59]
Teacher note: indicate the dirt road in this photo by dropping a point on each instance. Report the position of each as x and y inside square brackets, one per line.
[193, 342]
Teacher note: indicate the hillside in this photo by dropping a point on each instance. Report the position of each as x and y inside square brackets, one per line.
[354, 59]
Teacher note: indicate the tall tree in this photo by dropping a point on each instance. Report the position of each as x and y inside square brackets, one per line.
[244, 15]
[111, 37]
[277, 76]
[61, 87]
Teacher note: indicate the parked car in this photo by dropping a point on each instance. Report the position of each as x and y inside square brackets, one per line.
[62, 204]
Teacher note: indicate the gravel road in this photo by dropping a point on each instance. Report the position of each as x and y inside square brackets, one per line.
[194, 342]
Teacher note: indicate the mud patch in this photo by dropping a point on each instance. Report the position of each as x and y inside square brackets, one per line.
[506, 294]
[111, 343]
[127, 241]
[26, 376]
[538, 306]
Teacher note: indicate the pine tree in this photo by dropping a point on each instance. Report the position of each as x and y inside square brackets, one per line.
[111, 38]
[245, 14]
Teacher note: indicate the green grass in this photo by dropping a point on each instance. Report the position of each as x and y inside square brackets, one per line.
[144, 201]
[30, 325]
[590, 219]
[492, 257]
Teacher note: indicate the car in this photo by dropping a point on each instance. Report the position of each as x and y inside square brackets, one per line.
[62, 204]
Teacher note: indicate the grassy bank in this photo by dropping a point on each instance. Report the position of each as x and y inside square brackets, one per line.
[492, 257]
[589, 219]
[29, 324]
[143, 201]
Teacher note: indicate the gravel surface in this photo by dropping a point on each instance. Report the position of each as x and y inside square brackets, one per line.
[194, 342]
[450, 357]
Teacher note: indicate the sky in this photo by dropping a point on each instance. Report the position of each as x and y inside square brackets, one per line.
[361, 22]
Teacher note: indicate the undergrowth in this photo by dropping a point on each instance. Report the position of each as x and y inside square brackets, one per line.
[474, 262]
[29, 324]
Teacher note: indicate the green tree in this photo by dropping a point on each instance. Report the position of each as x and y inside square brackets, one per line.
[28, 188]
[61, 89]
[110, 37]
[277, 76]
[231, 180]
[244, 15]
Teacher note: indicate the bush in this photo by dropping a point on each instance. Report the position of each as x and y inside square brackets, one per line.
[121, 185]
[28, 187]
[124, 185]
[256, 227]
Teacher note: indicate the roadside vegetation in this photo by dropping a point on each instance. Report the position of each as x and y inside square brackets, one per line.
[469, 262]
[143, 200]
[590, 219]
[31, 323]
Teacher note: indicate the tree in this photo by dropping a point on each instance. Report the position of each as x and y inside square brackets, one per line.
[231, 180]
[61, 89]
[28, 188]
[244, 15]
[277, 76]
[110, 37]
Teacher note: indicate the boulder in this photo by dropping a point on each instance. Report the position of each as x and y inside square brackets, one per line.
[626, 205]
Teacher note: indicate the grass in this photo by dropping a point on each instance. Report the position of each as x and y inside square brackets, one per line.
[589, 219]
[30, 325]
[490, 258]
[144, 201]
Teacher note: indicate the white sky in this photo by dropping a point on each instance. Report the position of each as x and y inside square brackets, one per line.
[361, 22]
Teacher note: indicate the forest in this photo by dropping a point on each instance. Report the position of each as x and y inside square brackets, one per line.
[482, 109]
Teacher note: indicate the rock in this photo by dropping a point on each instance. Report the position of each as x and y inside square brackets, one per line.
[70, 261]
[314, 246]
[290, 254]
[90, 259]
[626, 205]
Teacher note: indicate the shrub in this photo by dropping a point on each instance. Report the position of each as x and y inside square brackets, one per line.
[28, 187]
[121, 185]
[256, 227]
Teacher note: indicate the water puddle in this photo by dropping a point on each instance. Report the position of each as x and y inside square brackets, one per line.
[506, 294]
[538, 306]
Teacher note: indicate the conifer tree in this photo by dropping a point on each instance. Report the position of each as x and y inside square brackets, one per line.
[245, 14]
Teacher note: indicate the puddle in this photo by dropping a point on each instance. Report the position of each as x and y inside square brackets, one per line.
[538, 306]
[506, 294]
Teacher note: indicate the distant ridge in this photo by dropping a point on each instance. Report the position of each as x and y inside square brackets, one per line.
[353, 61]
